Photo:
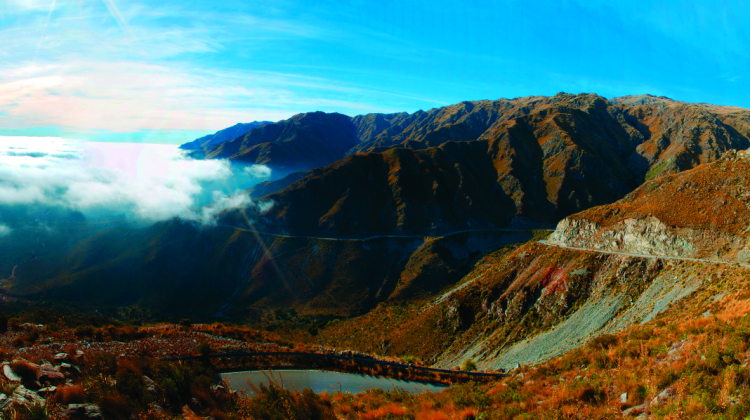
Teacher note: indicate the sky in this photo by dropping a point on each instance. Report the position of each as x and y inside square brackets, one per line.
[170, 71]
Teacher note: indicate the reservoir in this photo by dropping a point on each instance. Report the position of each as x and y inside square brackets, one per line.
[320, 381]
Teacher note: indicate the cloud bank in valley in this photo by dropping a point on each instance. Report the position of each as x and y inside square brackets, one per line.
[146, 182]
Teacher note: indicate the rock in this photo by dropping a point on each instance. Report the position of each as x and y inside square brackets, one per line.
[4, 402]
[636, 411]
[84, 411]
[48, 373]
[47, 391]
[8, 372]
[150, 384]
[663, 396]
[624, 397]
[26, 397]
[62, 357]
[220, 388]
[70, 369]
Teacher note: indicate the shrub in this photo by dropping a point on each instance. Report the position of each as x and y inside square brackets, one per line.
[115, 406]
[410, 360]
[469, 365]
[274, 402]
[24, 369]
[186, 323]
[84, 331]
[33, 412]
[591, 395]
[69, 394]
[203, 349]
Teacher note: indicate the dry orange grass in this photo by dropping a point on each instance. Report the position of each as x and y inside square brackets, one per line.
[384, 411]
[69, 394]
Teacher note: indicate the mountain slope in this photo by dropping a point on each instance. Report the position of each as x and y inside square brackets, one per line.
[652, 130]
[303, 142]
[540, 301]
[220, 136]
[701, 213]
[176, 267]
[524, 162]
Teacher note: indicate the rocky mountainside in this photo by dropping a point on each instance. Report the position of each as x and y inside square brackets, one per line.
[701, 213]
[532, 164]
[303, 142]
[456, 186]
[221, 136]
[541, 300]
[650, 131]
[642, 136]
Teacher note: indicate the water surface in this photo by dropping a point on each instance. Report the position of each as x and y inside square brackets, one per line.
[320, 381]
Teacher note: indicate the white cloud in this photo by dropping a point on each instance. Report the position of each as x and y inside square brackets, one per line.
[5, 230]
[145, 181]
[262, 172]
[127, 96]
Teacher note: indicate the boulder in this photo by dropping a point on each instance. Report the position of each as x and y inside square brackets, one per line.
[70, 369]
[664, 396]
[4, 402]
[47, 391]
[48, 373]
[150, 385]
[62, 357]
[26, 397]
[636, 411]
[8, 372]
[84, 411]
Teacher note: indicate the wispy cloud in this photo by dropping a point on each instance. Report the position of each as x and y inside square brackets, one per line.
[112, 7]
[127, 96]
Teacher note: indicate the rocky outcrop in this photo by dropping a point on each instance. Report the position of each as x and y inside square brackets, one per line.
[646, 236]
[701, 214]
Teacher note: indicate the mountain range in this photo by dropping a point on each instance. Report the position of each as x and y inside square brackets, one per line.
[417, 230]
[221, 136]
[526, 162]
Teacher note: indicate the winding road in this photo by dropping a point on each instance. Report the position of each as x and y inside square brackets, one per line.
[369, 238]
[663, 257]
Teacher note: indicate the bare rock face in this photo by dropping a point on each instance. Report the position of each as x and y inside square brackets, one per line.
[702, 213]
[646, 236]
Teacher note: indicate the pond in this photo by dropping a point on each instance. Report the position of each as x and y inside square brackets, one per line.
[320, 381]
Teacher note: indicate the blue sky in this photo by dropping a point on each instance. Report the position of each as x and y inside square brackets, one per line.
[169, 71]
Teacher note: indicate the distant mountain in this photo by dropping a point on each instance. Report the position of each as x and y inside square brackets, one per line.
[303, 142]
[540, 160]
[680, 135]
[220, 136]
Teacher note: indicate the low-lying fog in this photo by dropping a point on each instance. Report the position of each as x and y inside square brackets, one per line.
[138, 182]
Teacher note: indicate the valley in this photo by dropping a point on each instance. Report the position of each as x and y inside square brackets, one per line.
[499, 236]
